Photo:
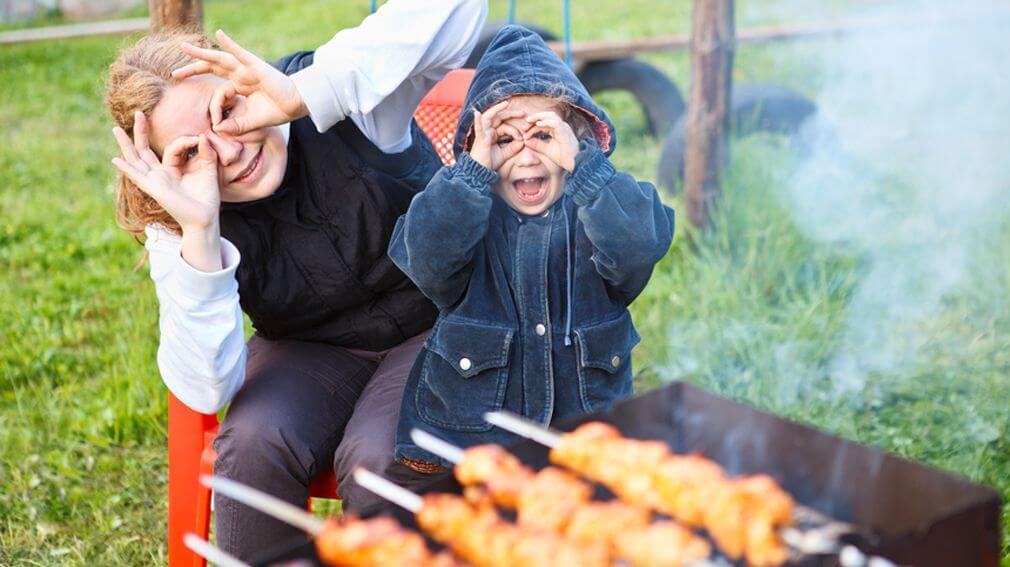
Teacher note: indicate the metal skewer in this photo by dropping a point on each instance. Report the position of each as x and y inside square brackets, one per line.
[386, 489]
[210, 552]
[523, 428]
[436, 446]
[265, 503]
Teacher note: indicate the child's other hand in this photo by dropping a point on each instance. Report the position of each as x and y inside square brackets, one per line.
[552, 137]
[495, 142]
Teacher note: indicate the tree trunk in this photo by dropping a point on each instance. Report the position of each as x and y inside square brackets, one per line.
[707, 148]
[176, 13]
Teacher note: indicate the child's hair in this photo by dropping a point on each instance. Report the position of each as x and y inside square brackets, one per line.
[137, 80]
[559, 93]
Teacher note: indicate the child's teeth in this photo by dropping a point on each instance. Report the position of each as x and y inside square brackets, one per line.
[528, 186]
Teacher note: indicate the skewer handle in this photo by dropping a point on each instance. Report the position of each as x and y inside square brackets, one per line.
[436, 446]
[210, 552]
[523, 427]
[265, 503]
[386, 489]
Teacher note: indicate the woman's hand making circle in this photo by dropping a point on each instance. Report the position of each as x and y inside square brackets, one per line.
[552, 137]
[254, 95]
[495, 142]
[184, 181]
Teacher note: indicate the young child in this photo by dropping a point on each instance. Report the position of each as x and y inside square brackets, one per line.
[532, 246]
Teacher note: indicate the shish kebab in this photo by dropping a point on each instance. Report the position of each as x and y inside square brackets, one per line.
[350, 542]
[478, 535]
[746, 516]
[557, 501]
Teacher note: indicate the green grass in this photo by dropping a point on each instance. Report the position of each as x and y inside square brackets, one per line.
[756, 309]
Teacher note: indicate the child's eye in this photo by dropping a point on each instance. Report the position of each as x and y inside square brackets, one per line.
[504, 140]
[192, 152]
[542, 136]
[225, 113]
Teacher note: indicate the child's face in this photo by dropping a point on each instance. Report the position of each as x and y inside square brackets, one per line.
[529, 181]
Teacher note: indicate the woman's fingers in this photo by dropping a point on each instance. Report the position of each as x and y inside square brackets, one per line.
[232, 125]
[235, 49]
[176, 152]
[141, 140]
[205, 152]
[219, 101]
[219, 58]
[191, 70]
[128, 150]
[139, 178]
[133, 173]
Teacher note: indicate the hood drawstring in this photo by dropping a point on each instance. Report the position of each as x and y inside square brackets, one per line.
[569, 276]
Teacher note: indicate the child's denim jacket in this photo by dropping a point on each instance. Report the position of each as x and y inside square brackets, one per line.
[533, 310]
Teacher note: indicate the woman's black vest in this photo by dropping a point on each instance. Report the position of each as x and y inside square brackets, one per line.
[314, 264]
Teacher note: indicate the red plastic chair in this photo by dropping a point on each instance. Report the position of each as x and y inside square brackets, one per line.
[190, 434]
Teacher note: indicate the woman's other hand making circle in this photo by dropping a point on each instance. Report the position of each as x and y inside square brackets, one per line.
[256, 94]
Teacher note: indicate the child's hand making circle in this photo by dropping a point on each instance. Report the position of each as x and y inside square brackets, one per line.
[553, 138]
[495, 142]
[184, 182]
[254, 95]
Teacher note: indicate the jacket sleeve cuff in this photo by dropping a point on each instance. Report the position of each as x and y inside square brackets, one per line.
[592, 172]
[314, 87]
[473, 173]
[209, 286]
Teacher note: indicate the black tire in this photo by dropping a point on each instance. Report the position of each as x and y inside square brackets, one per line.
[755, 107]
[659, 97]
[491, 30]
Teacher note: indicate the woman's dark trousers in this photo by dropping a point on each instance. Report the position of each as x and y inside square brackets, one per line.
[305, 408]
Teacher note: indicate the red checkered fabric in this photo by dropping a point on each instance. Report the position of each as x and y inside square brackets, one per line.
[438, 122]
[438, 112]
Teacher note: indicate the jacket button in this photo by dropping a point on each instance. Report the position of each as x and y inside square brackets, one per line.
[540, 329]
[465, 364]
[616, 361]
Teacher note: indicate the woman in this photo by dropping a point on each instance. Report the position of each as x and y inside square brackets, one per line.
[276, 195]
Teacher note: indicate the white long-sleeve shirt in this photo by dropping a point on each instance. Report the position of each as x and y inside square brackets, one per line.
[375, 75]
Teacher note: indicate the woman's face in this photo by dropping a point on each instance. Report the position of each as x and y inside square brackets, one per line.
[250, 166]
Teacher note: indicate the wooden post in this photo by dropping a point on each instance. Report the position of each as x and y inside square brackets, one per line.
[707, 146]
[175, 13]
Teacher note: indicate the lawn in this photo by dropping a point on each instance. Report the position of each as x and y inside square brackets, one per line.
[866, 295]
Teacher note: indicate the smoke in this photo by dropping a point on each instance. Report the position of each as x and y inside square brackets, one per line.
[902, 198]
[909, 166]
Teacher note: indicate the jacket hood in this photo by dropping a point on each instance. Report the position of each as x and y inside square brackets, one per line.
[519, 62]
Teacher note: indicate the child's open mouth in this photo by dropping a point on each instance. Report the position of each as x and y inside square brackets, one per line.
[530, 190]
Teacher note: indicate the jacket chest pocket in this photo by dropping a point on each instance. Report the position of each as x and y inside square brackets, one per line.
[604, 361]
[464, 374]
